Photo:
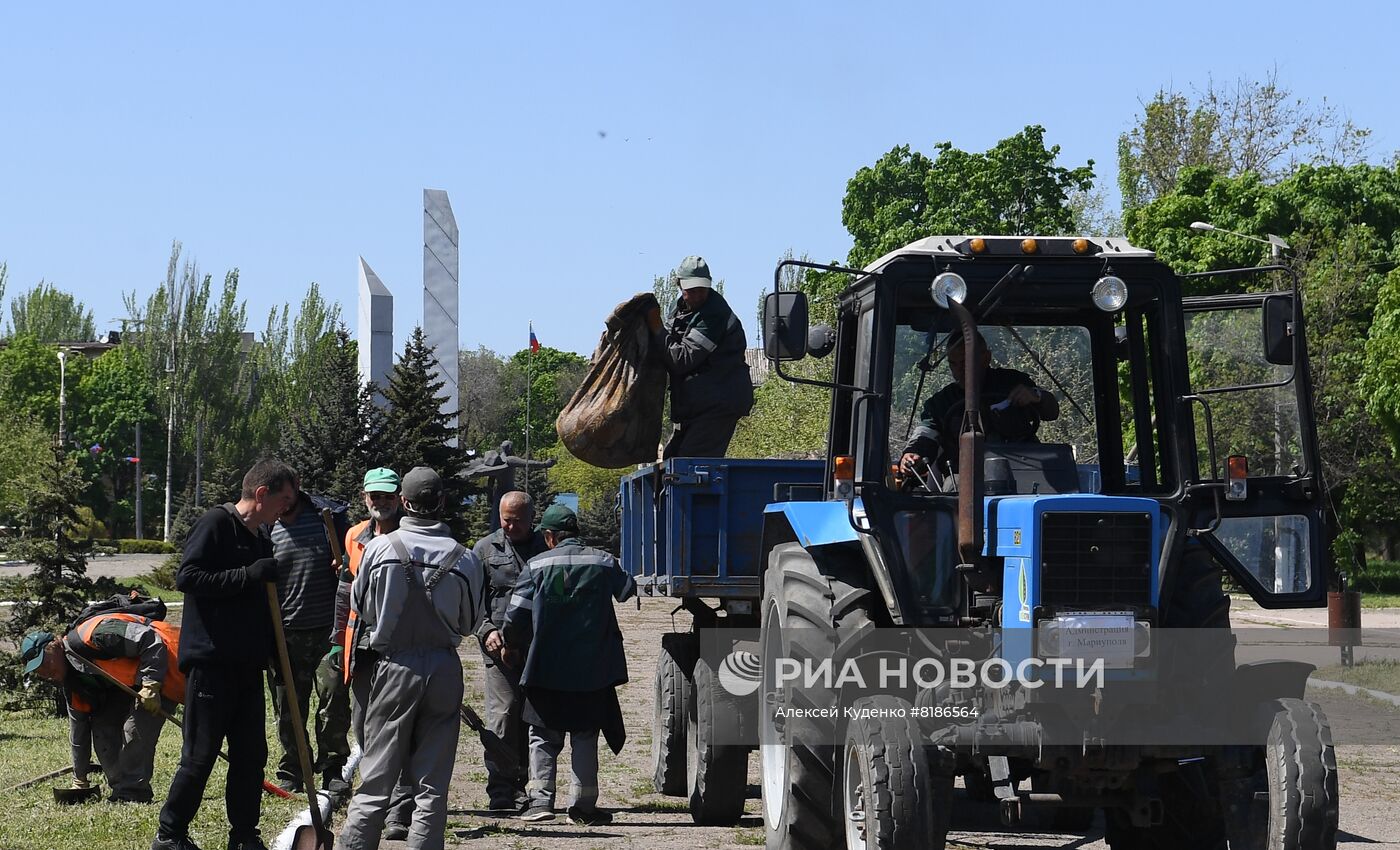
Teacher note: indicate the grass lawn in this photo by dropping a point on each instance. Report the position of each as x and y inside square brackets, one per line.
[1380, 675]
[33, 743]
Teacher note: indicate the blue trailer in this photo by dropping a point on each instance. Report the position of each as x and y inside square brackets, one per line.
[692, 530]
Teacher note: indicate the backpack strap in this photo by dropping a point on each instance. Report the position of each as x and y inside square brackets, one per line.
[436, 575]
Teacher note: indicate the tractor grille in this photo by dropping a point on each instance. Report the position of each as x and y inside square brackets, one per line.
[1096, 559]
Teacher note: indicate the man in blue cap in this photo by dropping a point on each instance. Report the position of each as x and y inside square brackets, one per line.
[561, 620]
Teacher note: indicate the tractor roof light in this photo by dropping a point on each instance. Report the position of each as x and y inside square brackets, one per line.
[1110, 293]
[948, 285]
[1030, 246]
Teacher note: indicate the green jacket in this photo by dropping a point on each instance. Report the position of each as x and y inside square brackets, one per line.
[563, 607]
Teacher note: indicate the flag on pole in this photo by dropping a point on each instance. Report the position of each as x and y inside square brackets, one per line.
[534, 343]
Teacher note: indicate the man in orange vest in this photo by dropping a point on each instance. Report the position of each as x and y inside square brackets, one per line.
[382, 501]
[138, 652]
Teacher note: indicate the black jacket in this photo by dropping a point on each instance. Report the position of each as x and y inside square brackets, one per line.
[704, 352]
[226, 620]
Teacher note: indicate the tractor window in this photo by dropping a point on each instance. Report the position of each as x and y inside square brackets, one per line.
[1254, 404]
[1054, 359]
[1275, 549]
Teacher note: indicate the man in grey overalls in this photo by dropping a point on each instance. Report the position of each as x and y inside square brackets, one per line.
[417, 591]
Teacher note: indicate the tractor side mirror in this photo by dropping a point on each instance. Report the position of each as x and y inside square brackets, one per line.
[1278, 330]
[785, 325]
[821, 340]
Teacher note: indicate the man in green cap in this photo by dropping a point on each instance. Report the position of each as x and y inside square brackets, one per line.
[702, 344]
[561, 621]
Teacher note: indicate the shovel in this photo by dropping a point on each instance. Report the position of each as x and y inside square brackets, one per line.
[315, 835]
[94, 668]
[497, 747]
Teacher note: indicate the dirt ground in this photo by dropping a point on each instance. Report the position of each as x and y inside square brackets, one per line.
[1370, 778]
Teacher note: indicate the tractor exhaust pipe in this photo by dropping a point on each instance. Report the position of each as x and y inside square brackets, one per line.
[971, 437]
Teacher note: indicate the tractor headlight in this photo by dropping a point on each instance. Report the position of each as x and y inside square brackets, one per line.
[1110, 294]
[948, 285]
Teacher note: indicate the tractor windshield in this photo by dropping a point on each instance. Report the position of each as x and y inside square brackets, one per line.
[1045, 359]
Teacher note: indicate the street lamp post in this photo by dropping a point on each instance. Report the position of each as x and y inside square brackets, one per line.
[62, 395]
[1276, 244]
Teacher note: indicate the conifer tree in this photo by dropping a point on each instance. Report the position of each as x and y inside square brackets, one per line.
[332, 428]
[416, 431]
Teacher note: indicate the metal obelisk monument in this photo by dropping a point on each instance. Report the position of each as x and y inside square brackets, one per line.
[376, 330]
[440, 294]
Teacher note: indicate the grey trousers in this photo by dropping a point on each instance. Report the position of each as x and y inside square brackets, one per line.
[411, 723]
[545, 746]
[401, 800]
[504, 701]
[124, 737]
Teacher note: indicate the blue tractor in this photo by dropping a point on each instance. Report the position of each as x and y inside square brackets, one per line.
[1170, 448]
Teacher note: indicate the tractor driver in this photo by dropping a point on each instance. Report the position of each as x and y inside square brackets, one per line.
[1012, 407]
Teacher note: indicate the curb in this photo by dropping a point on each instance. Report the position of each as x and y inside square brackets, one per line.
[1354, 690]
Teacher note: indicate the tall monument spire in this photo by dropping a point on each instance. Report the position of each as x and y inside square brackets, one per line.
[440, 324]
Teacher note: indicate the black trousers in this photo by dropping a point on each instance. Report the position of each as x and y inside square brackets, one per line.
[703, 436]
[221, 703]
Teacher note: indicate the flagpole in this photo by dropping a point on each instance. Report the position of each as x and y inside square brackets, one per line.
[529, 365]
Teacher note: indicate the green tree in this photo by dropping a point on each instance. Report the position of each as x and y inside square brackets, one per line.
[487, 391]
[1343, 223]
[118, 394]
[553, 375]
[330, 431]
[51, 315]
[1015, 187]
[1380, 379]
[24, 456]
[416, 431]
[1251, 126]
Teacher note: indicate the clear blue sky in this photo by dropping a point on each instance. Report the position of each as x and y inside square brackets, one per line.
[287, 139]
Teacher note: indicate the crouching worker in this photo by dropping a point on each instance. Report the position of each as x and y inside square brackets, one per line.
[136, 651]
[561, 621]
[417, 592]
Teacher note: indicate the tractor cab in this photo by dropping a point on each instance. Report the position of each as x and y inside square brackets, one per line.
[1110, 426]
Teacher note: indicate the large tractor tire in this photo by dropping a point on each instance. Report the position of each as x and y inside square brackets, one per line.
[1192, 811]
[1293, 800]
[669, 710]
[891, 797]
[807, 607]
[719, 773]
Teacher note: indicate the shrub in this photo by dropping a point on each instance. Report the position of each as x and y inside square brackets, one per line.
[163, 576]
[144, 547]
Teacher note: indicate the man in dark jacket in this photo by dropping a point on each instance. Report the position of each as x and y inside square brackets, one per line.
[225, 643]
[702, 343]
[1012, 407]
[504, 553]
[562, 610]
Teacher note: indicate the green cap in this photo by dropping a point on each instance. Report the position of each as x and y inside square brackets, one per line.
[559, 518]
[381, 480]
[31, 650]
[692, 272]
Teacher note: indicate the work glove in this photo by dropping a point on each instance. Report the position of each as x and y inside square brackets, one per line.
[654, 320]
[263, 569]
[150, 696]
[332, 658]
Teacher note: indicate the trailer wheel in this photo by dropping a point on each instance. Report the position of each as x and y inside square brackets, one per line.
[719, 773]
[805, 608]
[669, 709]
[1298, 774]
[891, 799]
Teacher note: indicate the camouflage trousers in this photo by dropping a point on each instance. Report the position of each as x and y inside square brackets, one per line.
[312, 670]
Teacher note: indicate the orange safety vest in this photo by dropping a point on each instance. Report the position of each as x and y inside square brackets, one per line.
[124, 670]
[354, 551]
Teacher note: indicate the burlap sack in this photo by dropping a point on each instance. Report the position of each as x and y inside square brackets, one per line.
[614, 417]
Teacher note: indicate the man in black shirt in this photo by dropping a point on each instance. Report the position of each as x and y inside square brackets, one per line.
[225, 643]
[1012, 407]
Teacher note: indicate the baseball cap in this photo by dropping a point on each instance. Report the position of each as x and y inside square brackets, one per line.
[422, 487]
[381, 480]
[692, 272]
[558, 518]
[31, 650]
